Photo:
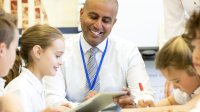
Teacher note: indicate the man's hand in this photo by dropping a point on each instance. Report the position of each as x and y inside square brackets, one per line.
[125, 101]
[90, 94]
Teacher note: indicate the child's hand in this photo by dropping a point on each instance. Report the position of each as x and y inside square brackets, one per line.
[147, 103]
[56, 109]
[66, 105]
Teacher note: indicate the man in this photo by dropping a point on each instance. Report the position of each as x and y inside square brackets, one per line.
[119, 63]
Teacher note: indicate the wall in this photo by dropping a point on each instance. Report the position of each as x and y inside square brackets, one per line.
[61, 13]
[140, 21]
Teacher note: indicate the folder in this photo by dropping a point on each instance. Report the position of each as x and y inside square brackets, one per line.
[98, 102]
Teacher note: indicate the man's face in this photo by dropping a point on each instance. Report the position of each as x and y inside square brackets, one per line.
[97, 19]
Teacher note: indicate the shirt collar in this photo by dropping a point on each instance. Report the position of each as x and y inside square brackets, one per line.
[196, 92]
[37, 84]
[2, 82]
[87, 46]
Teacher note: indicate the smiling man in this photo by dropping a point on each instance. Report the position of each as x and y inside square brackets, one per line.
[96, 62]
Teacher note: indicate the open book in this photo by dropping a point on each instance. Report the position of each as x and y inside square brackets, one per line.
[97, 102]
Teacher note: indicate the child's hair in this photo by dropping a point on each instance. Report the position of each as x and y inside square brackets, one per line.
[177, 54]
[14, 72]
[42, 35]
[8, 25]
[193, 25]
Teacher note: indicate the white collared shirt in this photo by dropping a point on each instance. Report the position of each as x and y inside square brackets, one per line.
[182, 97]
[29, 90]
[2, 84]
[122, 66]
[197, 107]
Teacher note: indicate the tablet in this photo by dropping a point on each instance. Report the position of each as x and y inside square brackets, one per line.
[98, 102]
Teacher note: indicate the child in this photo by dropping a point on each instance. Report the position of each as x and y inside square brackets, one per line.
[41, 49]
[8, 45]
[14, 71]
[196, 53]
[174, 61]
[193, 33]
[7, 104]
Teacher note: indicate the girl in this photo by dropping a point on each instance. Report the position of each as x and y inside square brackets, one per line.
[174, 61]
[41, 49]
[196, 62]
[193, 33]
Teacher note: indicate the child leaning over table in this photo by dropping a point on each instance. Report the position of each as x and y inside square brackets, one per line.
[193, 35]
[174, 61]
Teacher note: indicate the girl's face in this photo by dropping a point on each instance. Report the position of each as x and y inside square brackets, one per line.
[50, 59]
[181, 80]
[8, 55]
[196, 54]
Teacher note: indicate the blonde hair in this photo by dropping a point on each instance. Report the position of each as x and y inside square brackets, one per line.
[42, 35]
[175, 53]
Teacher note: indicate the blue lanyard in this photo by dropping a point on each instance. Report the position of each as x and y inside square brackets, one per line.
[91, 85]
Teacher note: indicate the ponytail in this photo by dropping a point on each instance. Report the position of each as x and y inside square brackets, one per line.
[16, 69]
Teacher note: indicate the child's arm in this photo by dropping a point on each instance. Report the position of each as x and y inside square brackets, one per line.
[167, 102]
[173, 108]
[192, 103]
[164, 102]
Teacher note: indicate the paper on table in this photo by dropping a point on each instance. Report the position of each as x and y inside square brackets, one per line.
[97, 102]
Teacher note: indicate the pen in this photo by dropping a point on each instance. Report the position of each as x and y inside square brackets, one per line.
[141, 86]
[141, 91]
